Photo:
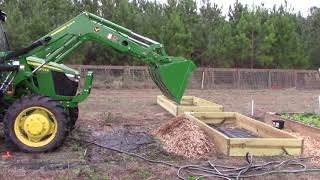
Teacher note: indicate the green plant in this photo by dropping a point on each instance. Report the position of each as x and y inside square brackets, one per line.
[145, 174]
[194, 178]
[311, 119]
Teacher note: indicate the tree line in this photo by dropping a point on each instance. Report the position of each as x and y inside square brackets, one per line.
[247, 37]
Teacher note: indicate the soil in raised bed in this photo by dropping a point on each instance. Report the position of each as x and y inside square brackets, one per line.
[234, 131]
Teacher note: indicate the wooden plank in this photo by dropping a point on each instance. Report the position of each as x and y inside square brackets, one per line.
[167, 105]
[267, 142]
[186, 100]
[217, 121]
[221, 141]
[187, 97]
[214, 115]
[188, 104]
[199, 105]
[265, 146]
[182, 109]
[202, 102]
[264, 151]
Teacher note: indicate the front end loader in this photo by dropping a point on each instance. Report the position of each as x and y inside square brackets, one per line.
[39, 95]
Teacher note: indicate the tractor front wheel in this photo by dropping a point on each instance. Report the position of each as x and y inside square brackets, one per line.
[36, 124]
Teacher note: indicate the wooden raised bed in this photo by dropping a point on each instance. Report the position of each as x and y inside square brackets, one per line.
[188, 104]
[235, 135]
[294, 126]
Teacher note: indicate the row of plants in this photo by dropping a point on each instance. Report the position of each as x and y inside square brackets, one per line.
[311, 119]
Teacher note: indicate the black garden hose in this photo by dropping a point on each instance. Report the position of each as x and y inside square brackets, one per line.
[290, 166]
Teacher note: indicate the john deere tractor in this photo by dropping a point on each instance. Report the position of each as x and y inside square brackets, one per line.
[39, 95]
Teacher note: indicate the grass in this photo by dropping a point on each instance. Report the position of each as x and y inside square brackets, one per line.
[311, 119]
[141, 175]
[145, 174]
[194, 178]
[76, 147]
[91, 174]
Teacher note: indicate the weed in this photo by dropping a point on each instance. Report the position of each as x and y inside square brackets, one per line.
[194, 178]
[76, 147]
[145, 174]
[64, 178]
[92, 174]
[128, 158]
[108, 117]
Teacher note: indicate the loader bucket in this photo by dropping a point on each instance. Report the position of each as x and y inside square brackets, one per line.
[172, 78]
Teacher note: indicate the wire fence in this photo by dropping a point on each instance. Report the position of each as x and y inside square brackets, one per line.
[206, 78]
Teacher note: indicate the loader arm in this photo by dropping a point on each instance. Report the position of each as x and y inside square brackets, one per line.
[170, 74]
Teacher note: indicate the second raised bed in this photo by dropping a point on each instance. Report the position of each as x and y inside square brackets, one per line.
[235, 135]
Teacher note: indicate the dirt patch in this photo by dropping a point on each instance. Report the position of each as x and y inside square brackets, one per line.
[182, 137]
[123, 139]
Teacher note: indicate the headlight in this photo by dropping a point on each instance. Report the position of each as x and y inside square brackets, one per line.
[73, 77]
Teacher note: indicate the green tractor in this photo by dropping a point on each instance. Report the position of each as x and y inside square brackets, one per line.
[39, 95]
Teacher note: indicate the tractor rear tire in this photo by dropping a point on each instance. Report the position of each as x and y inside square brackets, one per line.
[73, 115]
[36, 124]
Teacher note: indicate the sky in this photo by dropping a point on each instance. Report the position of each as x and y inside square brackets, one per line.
[298, 5]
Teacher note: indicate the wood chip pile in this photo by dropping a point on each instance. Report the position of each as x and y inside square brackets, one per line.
[311, 148]
[182, 137]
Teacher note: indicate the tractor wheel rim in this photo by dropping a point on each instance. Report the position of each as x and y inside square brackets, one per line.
[35, 126]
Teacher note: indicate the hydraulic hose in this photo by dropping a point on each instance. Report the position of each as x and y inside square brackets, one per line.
[13, 54]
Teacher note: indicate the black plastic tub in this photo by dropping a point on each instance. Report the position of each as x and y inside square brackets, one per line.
[279, 124]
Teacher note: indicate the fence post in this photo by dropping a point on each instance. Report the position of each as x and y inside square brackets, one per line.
[80, 72]
[202, 81]
[80, 69]
[239, 78]
[126, 76]
[269, 79]
[213, 76]
[295, 74]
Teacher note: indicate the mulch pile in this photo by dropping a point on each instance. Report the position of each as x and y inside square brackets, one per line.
[311, 148]
[182, 137]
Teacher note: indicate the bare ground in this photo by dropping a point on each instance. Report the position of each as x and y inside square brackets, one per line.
[131, 115]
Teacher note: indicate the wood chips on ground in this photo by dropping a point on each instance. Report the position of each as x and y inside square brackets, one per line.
[311, 148]
[182, 137]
